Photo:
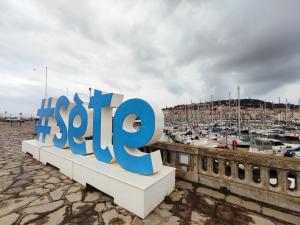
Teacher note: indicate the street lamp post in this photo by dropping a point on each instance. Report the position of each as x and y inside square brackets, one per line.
[46, 80]
[21, 119]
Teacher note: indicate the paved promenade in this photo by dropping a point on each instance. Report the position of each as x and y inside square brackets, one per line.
[33, 193]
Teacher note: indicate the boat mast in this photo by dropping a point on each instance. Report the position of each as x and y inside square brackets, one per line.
[299, 104]
[286, 112]
[212, 108]
[261, 116]
[186, 115]
[264, 115]
[239, 111]
[229, 111]
[220, 111]
[199, 111]
[279, 110]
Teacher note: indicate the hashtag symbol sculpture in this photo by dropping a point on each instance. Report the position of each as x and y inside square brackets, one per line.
[44, 113]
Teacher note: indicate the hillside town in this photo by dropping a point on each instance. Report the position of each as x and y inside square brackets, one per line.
[251, 111]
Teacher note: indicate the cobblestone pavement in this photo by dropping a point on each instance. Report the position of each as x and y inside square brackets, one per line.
[33, 193]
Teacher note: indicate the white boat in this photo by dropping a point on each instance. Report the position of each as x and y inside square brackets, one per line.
[205, 142]
[291, 135]
[270, 146]
[242, 141]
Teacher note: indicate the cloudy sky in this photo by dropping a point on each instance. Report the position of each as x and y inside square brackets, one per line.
[164, 51]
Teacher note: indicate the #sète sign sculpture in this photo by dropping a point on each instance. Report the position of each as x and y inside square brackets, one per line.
[103, 124]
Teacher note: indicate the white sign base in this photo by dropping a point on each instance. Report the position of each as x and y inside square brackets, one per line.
[33, 147]
[137, 193]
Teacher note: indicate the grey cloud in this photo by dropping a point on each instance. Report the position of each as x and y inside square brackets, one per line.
[182, 49]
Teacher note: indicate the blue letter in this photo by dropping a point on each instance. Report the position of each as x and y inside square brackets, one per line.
[126, 139]
[97, 102]
[44, 113]
[76, 130]
[62, 103]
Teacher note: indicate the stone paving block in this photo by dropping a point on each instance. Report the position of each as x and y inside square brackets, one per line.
[44, 208]
[259, 220]
[37, 184]
[7, 178]
[50, 186]
[112, 217]
[13, 190]
[198, 218]
[5, 184]
[165, 206]
[80, 206]
[74, 197]
[28, 218]
[53, 180]
[56, 217]
[100, 207]
[11, 205]
[58, 193]
[251, 206]
[211, 193]
[74, 188]
[92, 196]
[173, 220]
[281, 215]
[176, 195]
[9, 219]
[4, 197]
[109, 205]
[21, 182]
[233, 200]
[2, 173]
[184, 185]
[34, 191]
[40, 201]
[137, 221]
[209, 201]
[163, 212]
[152, 219]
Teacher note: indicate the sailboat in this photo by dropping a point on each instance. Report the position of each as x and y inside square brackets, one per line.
[242, 141]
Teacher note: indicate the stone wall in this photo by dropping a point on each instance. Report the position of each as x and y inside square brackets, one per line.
[264, 178]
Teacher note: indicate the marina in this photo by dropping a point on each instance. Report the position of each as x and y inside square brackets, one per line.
[269, 130]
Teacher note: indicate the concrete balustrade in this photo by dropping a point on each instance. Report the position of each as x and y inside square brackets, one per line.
[269, 179]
